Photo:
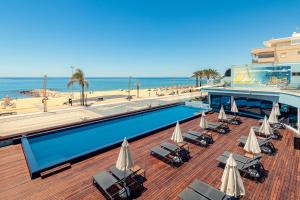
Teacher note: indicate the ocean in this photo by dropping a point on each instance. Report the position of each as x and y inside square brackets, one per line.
[12, 86]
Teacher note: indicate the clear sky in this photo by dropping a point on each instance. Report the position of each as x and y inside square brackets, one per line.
[136, 37]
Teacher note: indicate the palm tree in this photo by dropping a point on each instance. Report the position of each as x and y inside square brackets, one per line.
[201, 75]
[195, 75]
[214, 73]
[79, 77]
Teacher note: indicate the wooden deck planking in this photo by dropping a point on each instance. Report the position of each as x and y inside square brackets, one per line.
[164, 182]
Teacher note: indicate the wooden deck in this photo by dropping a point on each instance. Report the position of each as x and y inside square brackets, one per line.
[164, 182]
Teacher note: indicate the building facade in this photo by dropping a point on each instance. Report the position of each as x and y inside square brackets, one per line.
[278, 50]
[273, 77]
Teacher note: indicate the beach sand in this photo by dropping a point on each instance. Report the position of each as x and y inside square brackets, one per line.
[34, 104]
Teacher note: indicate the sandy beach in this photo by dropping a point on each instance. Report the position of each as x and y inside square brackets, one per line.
[60, 101]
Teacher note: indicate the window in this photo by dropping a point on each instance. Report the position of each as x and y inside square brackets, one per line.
[217, 101]
[298, 52]
[296, 73]
[266, 55]
[289, 115]
[254, 107]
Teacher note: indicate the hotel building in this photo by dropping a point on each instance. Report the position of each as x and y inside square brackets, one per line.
[272, 77]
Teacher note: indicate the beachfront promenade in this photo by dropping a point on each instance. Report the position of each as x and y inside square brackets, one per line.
[17, 124]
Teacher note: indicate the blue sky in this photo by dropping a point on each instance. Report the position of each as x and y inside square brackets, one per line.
[136, 37]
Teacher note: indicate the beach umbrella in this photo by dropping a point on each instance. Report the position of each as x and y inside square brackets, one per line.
[232, 183]
[125, 160]
[252, 145]
[277, 109]
[222, 115]
[265, 127]
[273, 117]
[203, 122]
[203, 114]
[177, 136]
[234, 108]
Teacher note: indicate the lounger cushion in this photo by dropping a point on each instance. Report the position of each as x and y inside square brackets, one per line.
[207, 190]
[169, 146]
[189, 194]
[119, 174]
[104, 180]
[160, 151]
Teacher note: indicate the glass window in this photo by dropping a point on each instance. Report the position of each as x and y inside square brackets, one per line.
[289, 115]
[254, 107]
[217, 101]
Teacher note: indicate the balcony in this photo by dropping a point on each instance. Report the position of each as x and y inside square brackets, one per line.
[264, 60]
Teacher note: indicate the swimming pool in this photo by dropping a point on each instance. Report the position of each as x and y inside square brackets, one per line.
[44, 151]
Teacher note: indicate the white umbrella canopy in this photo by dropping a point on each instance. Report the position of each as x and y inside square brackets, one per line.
[232, 183]
[125, 160]
[277, 109]
[252, 145]
[265, 127]
[222, 115]
[203, 122]
[273, 117]
[234, 108]
[203, 114]
[177, 136]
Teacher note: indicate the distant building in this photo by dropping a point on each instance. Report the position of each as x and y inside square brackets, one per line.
[278, 50]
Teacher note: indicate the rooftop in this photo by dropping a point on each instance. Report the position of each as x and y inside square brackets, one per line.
[163, 181]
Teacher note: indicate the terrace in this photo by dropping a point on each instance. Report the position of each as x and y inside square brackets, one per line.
[163, 181]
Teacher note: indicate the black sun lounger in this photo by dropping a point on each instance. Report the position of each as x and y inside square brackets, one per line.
[181, 152]
[241, 158]
[202, 191]
[203, 135]
[170, 147]
[189, 194]
[194, 139]
[207, 191]
[107, 184]
[248, 166]
[265, 144]
[120, 174]
[231, 120]
[165, 155]
[217, 127]
[276, 134]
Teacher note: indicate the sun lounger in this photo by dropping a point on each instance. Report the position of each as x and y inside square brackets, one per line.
[195, 139]
[189, 194]
[276, 134]
[265, 144]
[165, 155]
[120, 175]
[275, 126]
[108, 185]
[203, 135]
[248, 166]
[170, 147]
[241, 158]
[205, 191]
[180, 151]
[231, 120]
[217, 127]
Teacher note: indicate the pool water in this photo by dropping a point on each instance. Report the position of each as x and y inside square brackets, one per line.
[43, 151]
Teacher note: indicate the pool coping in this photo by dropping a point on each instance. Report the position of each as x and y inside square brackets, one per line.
[35, 170]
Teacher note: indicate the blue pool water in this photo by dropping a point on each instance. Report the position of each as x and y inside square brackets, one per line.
[47, 150]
